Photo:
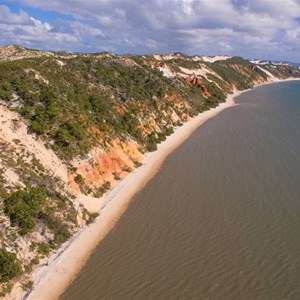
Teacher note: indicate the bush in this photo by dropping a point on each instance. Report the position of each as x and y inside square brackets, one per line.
[92, 217]
[60, 230]
[102, 190]
[79, 179]
[9, 265]
[22, 207]
[152, 142]
[43, 248]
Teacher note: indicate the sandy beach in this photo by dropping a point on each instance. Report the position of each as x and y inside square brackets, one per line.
[51, 280]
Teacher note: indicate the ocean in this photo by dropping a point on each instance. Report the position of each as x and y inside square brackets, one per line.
[220, 219]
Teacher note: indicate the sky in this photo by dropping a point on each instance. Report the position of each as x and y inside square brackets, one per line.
[263, 29]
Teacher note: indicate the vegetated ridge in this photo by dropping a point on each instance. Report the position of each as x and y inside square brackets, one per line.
[72, 125]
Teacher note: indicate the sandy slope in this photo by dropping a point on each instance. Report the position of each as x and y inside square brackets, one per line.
[13, 128]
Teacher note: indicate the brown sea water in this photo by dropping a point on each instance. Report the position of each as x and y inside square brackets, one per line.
[220, 220]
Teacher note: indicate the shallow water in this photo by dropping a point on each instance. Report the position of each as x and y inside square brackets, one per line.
[221, 218]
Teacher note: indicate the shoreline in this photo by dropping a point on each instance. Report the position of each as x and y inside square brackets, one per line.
[64, 265]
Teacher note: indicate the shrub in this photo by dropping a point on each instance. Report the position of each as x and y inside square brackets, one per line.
[92, 217]
[27, 285]
[22, 207]
[60, 230]
[102, 190]
[43, 248]
[9, 265]
[152, 142]
[79, 179]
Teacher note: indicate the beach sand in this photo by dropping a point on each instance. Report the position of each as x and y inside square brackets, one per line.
[51, 280]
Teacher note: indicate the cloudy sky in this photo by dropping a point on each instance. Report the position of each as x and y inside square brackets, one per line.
[249, 28]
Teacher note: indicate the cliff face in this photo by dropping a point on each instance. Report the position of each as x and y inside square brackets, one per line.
[109, 165]
[73, 125]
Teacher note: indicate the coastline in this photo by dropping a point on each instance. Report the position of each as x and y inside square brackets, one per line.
[63, 266]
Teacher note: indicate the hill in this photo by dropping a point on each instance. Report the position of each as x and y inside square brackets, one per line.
[73, 125]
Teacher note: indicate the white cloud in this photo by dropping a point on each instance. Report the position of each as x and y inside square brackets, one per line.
[7, 17]
[239, 27]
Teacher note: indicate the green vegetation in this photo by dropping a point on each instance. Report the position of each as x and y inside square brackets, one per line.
[231, 74]
[42, 248]
[113, 94]
[92, 217]
[40, 205]
[236, 60]
[102, 190]
[23, 207]
[186, 63]
[79, 179]
[9, 266]
[59, 229]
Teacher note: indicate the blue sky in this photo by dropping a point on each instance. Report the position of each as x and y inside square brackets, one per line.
[266, 29]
